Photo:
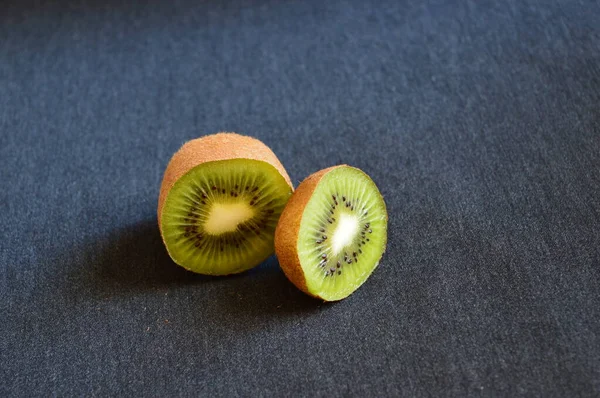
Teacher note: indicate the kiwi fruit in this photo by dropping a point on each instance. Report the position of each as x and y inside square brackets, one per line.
[332, 233]
[220, 199]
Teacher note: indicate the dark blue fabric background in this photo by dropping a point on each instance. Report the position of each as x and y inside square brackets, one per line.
[478, 120]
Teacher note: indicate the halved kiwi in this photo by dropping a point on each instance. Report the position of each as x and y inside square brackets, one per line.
[332, 232]
[220, 200]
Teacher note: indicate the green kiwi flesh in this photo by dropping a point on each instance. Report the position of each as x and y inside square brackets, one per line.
[343, 233]
[220, 217]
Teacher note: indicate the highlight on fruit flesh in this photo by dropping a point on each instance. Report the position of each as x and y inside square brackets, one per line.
[332, 232]
[220, 200]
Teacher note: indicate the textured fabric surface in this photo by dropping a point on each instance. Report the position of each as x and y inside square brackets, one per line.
[478, 120]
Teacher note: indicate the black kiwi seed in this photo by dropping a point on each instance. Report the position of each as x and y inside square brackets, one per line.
[322, 230]
[319, 242]
[367, 225]
[214, 188]
[223, 191]
[354, 254]
[329, 221]
[343, 198]
[339, 272]
[324, 255]
[370, 231]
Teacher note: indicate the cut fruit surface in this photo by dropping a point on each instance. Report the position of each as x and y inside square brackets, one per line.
[219, 216]
[332, 232]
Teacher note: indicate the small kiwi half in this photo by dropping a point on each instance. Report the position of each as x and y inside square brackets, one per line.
[332, 232]
[220, 200]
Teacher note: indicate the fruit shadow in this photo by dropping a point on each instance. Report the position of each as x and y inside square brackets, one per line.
[133, 261]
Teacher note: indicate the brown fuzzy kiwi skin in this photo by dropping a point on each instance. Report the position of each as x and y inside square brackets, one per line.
[288, 229]
[210, 148]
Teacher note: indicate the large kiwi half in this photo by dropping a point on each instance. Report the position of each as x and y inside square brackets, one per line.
[332, 232]
[219, 203]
